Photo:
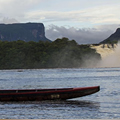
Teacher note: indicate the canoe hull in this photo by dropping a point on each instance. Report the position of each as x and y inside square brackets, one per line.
[46, 94]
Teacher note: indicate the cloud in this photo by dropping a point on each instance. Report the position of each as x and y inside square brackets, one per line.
[102, 14]
[16, 9]
[68, 12]
[59, 11]
[82, 36]
[6, 20]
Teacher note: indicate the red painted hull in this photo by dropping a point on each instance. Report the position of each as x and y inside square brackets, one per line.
[46, 94]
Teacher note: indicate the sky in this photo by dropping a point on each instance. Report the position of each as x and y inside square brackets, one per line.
[86, 21]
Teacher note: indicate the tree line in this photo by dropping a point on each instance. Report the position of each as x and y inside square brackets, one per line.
[61, 53]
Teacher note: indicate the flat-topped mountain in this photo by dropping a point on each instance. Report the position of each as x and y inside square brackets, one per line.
[23, 31]
[113, 38]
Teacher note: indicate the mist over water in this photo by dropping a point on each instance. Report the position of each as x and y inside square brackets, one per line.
[112, 60]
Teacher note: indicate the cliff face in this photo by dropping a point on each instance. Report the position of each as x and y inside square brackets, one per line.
[104, 49]
[114, 37]
[23, 31]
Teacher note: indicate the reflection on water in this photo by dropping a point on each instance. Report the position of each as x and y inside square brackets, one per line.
[59, 103]
[56, 109]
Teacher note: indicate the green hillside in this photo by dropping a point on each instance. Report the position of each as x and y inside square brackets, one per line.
[61, 53]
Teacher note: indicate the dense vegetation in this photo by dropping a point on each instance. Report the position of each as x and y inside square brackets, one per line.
[61, 53]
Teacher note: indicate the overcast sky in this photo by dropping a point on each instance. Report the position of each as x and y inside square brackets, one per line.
[86, 21]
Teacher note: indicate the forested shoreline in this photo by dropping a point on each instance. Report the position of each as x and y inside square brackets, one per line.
[61, 53]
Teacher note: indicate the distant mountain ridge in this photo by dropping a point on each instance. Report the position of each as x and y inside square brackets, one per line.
[23, 31]
[113, 38]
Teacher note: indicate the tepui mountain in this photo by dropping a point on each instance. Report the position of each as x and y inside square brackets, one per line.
[23, 31]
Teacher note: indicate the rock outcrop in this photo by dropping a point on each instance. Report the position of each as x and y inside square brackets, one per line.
[104, 49]
[113, 38]
[23, 31]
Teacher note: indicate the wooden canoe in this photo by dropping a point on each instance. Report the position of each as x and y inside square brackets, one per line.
[46, 94]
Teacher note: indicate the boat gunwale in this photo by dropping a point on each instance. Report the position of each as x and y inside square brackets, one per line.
[49, 91]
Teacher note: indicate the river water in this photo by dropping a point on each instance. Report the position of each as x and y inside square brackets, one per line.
[104, 104]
